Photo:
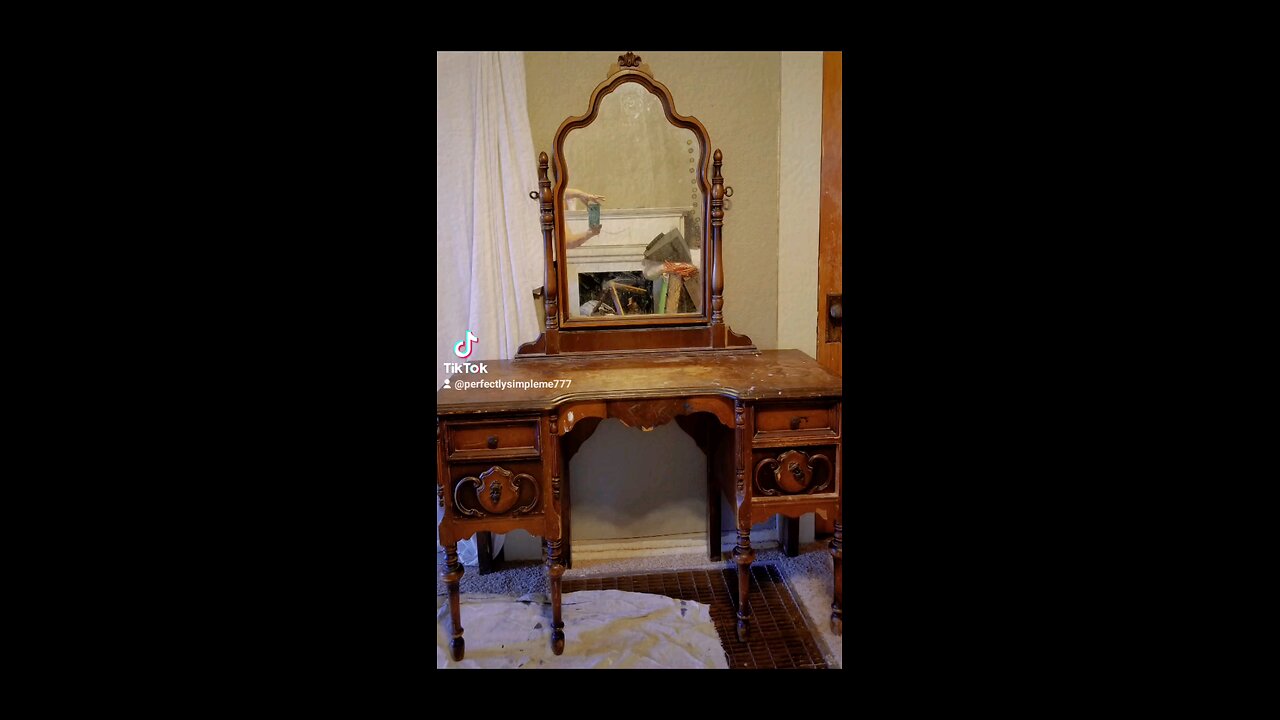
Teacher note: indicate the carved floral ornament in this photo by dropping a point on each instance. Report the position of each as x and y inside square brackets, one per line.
[630, 61]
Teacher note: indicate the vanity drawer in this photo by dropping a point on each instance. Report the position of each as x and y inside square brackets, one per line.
[782, 472]
[489, 439]
[795, 417]
[496, 490]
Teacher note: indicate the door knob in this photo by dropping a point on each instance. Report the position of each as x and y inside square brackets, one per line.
[835, 317]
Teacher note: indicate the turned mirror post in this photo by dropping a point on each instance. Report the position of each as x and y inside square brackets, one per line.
[717, 268]
[551, 298]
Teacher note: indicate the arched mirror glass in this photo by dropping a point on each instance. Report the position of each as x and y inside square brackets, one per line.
[632, 236]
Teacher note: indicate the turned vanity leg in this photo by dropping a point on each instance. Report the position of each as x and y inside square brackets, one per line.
[837, 555]
[452, 575]
[743, 555]
[555, 569]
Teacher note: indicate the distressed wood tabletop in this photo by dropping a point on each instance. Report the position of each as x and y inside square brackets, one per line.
[749, 375]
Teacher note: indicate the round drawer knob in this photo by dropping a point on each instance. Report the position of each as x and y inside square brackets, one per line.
[493, 441]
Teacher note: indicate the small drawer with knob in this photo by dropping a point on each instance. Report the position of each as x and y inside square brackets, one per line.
[786, 421]
[493, 439]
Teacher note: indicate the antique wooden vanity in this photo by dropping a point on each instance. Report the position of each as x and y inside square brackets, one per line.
[768, 421]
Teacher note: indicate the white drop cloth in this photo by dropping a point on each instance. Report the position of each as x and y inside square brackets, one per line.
[603, 629]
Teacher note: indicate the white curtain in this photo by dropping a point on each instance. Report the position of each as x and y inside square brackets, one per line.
[489, 254]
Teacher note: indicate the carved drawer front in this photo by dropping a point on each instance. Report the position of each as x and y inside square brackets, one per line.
[493, 439]
[500, 490]
[779, 472]
[790, 417]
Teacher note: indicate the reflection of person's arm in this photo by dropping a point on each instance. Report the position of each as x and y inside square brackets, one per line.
[573, 240]
[586, 197]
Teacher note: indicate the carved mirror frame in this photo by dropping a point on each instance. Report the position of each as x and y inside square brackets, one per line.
[568, 335]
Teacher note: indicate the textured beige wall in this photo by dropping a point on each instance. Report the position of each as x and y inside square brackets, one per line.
[800, 188]
[736, 96]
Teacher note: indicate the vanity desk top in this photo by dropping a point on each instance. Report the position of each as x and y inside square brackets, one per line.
[739, 374]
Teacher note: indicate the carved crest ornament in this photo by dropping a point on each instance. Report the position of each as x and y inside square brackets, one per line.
[792, 473]
[497, 491]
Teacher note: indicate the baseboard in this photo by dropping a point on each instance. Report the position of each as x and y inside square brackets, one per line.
[526, 548]
[612, 548]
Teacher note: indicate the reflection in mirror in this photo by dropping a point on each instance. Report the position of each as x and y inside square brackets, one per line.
[633, 211]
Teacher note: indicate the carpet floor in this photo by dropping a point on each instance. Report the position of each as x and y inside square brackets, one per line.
[808, 574]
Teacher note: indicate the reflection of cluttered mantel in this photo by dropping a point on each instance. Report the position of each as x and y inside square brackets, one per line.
[628, 237]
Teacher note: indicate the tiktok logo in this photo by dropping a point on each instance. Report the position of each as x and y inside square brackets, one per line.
[459, 348]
